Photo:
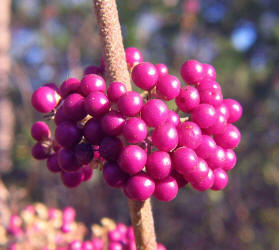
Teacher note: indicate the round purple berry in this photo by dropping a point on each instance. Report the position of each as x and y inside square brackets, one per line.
[209, 72]
[40, 131]
[207, 147]
[133, 56]
[166, 189]
[68, 134]
[162, 69]
[187, 99]
[112, 123]
[192, 71]
[113, 175]
[234, 108]
[130, 103]
[69, 86]
[230, 138]
[73, 107]
[115, 90]
[204, 115]
[52, 163]
[220, 179]
[73, 179]
[110, 148]
[189, 135]
[93, 132]
[134, 130]
[91, 83]
[96, 104]
[168, 87]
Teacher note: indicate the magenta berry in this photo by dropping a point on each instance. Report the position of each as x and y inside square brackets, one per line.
[91, 83]
[130, 103]
[96, 104]
[217, 159]
[84, 153]
[189, 135]
[52, 163]
[168, 87]
[73, 107]
[165, 137]
[234, 108]
[181, 182]
[209, 72]
[207, 84]
[68, 134]
[93, 132]
[92, 69]
[187, 99]
[132, 159]
[204, 115]
[198, 173]
[40, 151]
[60, 117]
[67, 160]
[158, 165]
[213, 97]
[110, 148]
[115, 90]
[220, 179]
[134, 130]
[133, 56]
[145, 75]
[44, 99]
[113, 175]
[230, 138]
[184, 160]
[207, 147]
[173, 118]
[139, 187]
[166, 189]
[71, 85]
[112, 123]
[218, 126]
[206, 183]
[162, 69]
[230, 160]
[192, 72]
[40, 131]
[223, 109]
[154, 112]
[73, 179]
[87, 172]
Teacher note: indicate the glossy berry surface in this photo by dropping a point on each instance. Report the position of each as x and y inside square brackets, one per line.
[189, 135]
[235, 110]
[40, 131]
[192, 72]
[168, 87]
[220, 179]
[204, 115]
[133, 56]
[91, 83]
[230, 138]
[113, 175]
[112, 123]
[73, 107]
[187, 99]
[162, 69]
[69, 86]
[130, 103]
[166, 189]
[115, 90]
[135, 130]
[96, 104]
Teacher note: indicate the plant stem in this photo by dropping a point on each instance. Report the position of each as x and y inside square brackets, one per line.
[116, 70]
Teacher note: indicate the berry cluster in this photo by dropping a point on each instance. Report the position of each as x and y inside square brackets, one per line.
[147, 149]
[40, 227]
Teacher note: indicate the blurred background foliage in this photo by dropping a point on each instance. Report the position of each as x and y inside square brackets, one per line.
[52, 40]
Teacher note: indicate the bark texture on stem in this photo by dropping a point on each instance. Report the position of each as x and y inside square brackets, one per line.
[6, 109]
[116, 70]
[111, 38]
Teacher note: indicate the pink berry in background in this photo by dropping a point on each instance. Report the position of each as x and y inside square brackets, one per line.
[184, 160]
[154, 112]
[133, 56]
[173, 118]
[98, 243]
[69, 214]
[206, 182]
[112, 123]
[67, 160]
[96, 104]
[230, 161]
[235, 110]
[211, 96]
[209, 72]
[75, 245]
[115, 90]
[114, 235]
[223, 109]
[68, 134]
[192, 72]
[44, 99]
[40, 131]
[168, 87]
[132, 159]
[204, 115]
[87, 245]
[139, 187]
[93, 132]
[113, 175]
[130, 103]
[162, 69]
[218, 126]
[145, 75]
[207, 84]
[92, 69]
[160, 247]
[87, 172]
[166, 189]
[72, 179]
[40, 151]
[114, 245]
[91, 83]
[207, 147]
[230, 138]
[189, 135]
[198, 173]
[165, 137]
[52, 164]
[220, 179]
[158, 165]
[134, 130]
[73, 107]
[217, 159]
[69, 86]
[187, 99]
[110, 148]
[181, 182]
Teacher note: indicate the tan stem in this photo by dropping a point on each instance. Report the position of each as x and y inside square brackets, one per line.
[6, 114]
[117, 70]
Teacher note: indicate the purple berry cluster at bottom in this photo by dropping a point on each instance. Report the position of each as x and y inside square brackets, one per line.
[58, 229]
[139, 144]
